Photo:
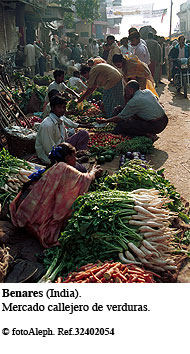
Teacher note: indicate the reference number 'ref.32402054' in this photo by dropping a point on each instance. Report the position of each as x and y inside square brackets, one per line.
[86, 331]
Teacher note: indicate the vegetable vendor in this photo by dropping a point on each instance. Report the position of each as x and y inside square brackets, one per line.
[142, 116]
[54, 189]
[58, 84]
[47, 111]
[75, 81]
[52, 131]
[134, 68]
[108, 77]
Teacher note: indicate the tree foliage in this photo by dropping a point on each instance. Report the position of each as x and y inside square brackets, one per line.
[87, 10]
[68, 17]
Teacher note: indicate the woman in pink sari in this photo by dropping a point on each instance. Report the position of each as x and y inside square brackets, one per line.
[44, 205]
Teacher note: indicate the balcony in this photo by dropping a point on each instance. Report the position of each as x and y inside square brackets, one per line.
[34, 3]
[37, 3]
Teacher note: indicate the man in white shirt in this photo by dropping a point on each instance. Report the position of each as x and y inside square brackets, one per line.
[142, 115]
[125, 46]
[140, 49]
[95, 48]
[75, 81]
[184, 50]
[30, 58]
[52, 131]
[132, 30]
[59, 85]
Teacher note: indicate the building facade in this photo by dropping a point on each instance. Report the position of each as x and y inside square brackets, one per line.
[25, 20]
[184, 19]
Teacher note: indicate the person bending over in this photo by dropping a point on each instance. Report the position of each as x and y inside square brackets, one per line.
[108, 77]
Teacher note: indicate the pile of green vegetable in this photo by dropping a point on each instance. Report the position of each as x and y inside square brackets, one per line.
[135, 174]
[141, 144]
[73, 105]
[9, 168]
[42, 80]
[115, 225]
[23, 98]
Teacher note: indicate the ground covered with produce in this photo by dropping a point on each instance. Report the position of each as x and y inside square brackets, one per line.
[132, 225]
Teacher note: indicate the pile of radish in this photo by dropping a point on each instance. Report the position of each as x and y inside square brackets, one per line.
[153, 222]
[130, 227]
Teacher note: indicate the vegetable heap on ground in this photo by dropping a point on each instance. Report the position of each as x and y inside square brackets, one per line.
[13, 173]
[106, 140]
[22, 98]
[32, 120]
[108, 272]
[138, 174]
[132, 227]
[141, 144]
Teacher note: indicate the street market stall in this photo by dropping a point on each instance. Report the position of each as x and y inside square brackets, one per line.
[131, 226]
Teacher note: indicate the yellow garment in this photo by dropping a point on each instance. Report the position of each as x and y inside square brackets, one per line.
[133, 67]
[150, 86]
[114, 49]
[103, 75]
[98, 60]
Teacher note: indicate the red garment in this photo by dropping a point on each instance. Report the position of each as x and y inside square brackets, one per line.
[48, 205]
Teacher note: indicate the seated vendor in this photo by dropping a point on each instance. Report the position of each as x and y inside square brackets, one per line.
[75, 81]
[52, 131]
[59, 85]
[47, 111]
[44, 204]
[142, 115]
[52, 93]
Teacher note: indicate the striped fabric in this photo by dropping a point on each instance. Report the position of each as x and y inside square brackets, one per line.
[112, 98]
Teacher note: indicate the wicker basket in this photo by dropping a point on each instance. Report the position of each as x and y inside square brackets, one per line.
[41, 81]
[18, 146]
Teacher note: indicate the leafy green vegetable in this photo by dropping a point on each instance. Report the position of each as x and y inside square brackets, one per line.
[97, 95]
[23, 98]
[140, 143]
[186, 238]
[133, 176]
[9, 166]
[98, 229]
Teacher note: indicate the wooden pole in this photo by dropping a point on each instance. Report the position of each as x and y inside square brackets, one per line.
[170, 35]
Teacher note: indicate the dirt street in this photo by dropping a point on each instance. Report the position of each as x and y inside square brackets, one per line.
[172, 149]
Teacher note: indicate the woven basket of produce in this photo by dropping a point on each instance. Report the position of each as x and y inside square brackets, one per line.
[41, 81]
[5, 257]
[19, 146]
